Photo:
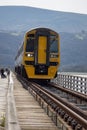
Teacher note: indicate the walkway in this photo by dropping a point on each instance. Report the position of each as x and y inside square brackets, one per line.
[3, 93]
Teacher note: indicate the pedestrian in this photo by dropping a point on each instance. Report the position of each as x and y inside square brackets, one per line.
[7, 71]
[2, 73]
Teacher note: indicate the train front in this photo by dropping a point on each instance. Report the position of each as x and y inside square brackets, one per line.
[42, 53]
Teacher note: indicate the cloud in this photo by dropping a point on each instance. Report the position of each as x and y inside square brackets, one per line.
[77, 6]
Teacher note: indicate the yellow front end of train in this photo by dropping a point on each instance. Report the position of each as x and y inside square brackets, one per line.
[41, 54]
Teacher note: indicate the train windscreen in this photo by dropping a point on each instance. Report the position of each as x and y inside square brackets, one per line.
[53, 44]
[30, 45]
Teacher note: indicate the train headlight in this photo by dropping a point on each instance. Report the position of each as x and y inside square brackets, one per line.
[53, 55]
[29, 55]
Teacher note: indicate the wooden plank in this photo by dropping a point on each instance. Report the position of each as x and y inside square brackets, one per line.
[3, 92]
[11, 116]
[30, 115]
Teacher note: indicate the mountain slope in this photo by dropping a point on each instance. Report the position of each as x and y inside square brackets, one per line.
[8, 48]
[21, 18]
[73, 50]
[16, 20]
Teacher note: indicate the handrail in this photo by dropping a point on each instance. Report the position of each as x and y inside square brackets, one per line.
[71, 81]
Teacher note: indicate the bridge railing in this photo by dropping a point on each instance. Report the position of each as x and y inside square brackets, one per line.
[76, 83]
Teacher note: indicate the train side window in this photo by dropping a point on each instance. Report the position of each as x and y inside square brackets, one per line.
[19, 51]
[30, 45]
[53, 44]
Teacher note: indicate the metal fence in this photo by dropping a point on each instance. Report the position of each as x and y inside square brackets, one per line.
[76, 83]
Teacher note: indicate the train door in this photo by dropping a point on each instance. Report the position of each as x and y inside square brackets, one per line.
[42, 52]
[42, 46]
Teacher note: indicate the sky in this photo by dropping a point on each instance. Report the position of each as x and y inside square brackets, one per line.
[76, 6]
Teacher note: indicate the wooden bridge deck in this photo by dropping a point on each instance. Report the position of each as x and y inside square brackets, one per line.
[3, 99]
[30, 115]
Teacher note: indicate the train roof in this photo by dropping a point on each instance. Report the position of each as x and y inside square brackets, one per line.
[42, 28]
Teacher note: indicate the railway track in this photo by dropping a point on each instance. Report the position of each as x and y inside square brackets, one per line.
[70, 106]
[73, 100]
[78, 99]
[64, 107]
[23, 112]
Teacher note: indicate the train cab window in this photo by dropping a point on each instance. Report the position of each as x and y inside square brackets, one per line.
[53, 44]
[30, 44]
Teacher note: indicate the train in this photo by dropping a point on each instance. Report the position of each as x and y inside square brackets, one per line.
[38, 57]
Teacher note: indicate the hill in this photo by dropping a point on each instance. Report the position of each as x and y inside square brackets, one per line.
[74, 51]
[21, 18]
[73, 48]
[8, 48]
[16, 20]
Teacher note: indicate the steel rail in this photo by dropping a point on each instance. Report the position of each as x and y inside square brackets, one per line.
[60, 103]
[77, 94]
[49, 97]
